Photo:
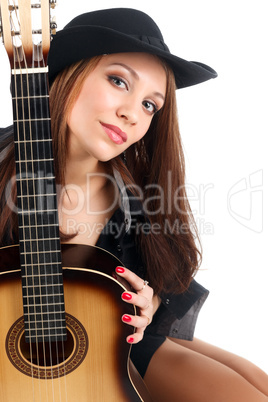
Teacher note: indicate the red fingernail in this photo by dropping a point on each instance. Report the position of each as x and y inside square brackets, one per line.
[130, 340]
[126, 318]
[120, 270]
[126, 296]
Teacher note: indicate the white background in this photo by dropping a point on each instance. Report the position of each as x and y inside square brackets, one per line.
[224, 128]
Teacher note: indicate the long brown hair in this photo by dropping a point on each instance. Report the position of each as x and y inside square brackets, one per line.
[155, 163]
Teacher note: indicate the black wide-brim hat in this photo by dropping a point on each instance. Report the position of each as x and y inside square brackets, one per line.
[119, 30]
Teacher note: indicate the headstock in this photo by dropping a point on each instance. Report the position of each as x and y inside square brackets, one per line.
[26, 27]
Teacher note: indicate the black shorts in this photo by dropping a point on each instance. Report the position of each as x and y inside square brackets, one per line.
[142, 352]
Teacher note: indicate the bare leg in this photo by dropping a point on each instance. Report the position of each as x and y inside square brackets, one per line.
[178, 374]
[245, 368]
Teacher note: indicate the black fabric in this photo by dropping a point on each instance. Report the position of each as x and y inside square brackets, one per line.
[119, 30]
[142, 352]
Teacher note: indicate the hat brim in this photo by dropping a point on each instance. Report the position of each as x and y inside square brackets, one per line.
[74, 44]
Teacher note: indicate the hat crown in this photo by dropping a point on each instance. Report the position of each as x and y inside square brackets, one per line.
[119, 30]
[125, 20]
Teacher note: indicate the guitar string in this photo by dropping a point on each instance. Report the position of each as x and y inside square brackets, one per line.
[44, 111]
[24, 59]
[54, 234]
[41, 228]
[17, 56]
[51, 230]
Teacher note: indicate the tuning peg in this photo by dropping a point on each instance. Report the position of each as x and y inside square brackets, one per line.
[53, 3]
[53, 25]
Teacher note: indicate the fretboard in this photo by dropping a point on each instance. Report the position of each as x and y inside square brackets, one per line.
[40, 251]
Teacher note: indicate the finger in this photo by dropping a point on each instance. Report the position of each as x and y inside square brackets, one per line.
[136, 337]
[145, 283]
[134, 280]
[140, 301]
[139, 322]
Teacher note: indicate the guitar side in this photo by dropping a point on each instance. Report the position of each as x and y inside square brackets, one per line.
[96, 366]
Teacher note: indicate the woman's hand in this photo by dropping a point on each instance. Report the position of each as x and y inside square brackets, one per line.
[143, 298]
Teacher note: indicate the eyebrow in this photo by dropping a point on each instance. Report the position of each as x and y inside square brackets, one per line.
[135, 75]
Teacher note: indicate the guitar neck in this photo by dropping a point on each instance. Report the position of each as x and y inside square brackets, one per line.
[40, 250]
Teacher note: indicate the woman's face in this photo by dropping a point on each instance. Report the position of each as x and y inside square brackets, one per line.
[116, 105]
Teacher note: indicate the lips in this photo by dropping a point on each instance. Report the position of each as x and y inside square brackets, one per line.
[114, 133]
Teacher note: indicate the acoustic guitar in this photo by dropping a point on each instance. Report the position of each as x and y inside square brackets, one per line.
[61, 335]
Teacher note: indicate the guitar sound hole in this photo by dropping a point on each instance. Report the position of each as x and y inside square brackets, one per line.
[47, 354]
[44, 360]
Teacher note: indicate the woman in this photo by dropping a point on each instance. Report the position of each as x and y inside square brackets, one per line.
[119, 160]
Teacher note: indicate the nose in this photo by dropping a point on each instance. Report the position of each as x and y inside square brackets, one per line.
[127, 111]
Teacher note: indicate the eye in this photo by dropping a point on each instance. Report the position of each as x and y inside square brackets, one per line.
[117, 81]
[150, 106]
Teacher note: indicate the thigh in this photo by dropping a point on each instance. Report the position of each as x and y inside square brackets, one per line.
[178, 374]
[245, 368]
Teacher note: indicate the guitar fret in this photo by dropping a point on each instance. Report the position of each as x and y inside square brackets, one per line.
[59, 312]
[30, 141]
[43, 295]
[37, 195]
[30, 70]
[40, 276]
[35, 178]
[38, 264]
[29, 120]
[30, 97]
[41, 286]
[40, 239]
[45, 252]
[34, 212]
[44, 305]
[35, 160]
[40, 335]
[47, 336]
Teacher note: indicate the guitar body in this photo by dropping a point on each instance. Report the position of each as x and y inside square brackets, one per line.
[95, 364]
